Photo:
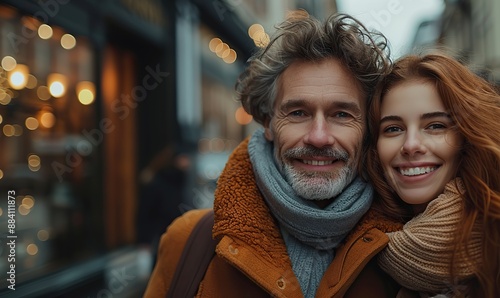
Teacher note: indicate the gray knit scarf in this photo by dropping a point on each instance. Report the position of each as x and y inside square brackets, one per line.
[315, 232]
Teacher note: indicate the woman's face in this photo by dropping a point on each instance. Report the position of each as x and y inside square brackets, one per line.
[417, 145]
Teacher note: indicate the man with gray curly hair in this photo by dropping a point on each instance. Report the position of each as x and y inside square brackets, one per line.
[291, 211]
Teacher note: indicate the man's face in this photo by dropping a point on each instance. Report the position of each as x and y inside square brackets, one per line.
[317, 127]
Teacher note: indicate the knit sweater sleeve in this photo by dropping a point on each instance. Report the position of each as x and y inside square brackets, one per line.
[419, 256]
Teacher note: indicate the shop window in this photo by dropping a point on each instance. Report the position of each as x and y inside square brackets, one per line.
[49, 159]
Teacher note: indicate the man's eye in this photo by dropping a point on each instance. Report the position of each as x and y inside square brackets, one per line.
[298, 113]
[342, 115]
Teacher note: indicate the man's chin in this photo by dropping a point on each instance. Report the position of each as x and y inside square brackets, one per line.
[319, 187]
[316, 192]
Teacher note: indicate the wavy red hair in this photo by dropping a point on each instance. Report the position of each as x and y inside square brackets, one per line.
[474, 106]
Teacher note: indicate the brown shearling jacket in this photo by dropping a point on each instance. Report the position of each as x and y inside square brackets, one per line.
[251, 258]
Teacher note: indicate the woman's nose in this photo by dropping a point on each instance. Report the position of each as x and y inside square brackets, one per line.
[413, 143]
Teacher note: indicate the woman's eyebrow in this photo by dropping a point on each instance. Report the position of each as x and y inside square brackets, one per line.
[435, 115]
[390, 118]
[424, 116]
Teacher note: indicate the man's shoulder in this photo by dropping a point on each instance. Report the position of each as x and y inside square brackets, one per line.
[177, 233]
[174, 239]
[187, 221]
[170, 250]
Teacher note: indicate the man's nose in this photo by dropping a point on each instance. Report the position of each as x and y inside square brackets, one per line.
[319, 133]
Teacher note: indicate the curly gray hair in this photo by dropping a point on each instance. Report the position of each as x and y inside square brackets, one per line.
[302, 37]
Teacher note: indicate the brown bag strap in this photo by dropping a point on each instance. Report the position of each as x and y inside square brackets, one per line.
[197, 254]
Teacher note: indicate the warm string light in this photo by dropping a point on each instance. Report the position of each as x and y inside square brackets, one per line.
[34, 162]
[45, 31]
[18, 76]
[8, 63]
[46, 119]
[258, 35]
[12, 130]
[5, 97]
[242, 117]
[222, 50]
[57, 84]
[68, 41]
[85, 92]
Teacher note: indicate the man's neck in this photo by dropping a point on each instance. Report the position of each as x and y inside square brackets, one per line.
[323, 203]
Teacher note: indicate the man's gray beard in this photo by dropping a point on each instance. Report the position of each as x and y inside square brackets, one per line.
[318, 185]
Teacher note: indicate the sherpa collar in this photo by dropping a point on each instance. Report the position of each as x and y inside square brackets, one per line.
[241, 212]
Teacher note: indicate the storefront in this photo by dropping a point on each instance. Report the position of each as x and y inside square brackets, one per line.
[85, 96]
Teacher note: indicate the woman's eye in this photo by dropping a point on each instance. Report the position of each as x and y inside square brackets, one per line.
[391, 129]
[436, 126]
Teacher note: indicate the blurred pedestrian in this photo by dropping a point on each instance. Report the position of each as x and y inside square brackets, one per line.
[162, 192]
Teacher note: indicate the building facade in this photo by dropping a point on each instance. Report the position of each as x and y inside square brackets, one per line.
[472, 30]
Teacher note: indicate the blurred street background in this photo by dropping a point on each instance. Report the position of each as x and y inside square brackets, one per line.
[116, 116]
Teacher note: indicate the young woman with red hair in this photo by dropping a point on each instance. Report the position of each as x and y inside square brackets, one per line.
[434, 159]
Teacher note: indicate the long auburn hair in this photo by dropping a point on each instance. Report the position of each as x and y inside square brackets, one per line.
[474, 106]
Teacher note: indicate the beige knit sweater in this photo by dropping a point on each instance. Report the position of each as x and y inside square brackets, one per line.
[419, 256]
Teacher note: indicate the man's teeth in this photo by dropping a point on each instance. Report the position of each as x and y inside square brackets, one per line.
[416, 171]
[317, 162]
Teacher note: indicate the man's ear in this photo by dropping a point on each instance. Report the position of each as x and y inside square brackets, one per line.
[267, 131]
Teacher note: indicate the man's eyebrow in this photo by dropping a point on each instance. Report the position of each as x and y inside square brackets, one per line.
[347, 105]
[344, 105]
[292, 103]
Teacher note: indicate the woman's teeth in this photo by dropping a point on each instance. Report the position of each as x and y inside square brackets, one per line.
[416, 171]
